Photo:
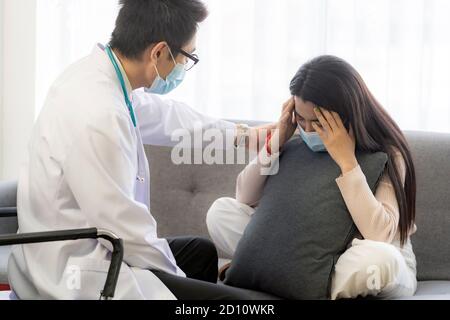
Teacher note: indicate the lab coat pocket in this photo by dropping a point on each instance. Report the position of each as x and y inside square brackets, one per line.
[86, 278]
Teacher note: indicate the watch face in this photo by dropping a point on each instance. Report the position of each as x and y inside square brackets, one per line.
[244, 129]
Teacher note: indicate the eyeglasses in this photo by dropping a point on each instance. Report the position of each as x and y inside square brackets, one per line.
[192, 59]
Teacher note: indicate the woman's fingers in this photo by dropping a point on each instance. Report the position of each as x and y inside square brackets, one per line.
[323, 121]
[338, 119]
[318, 129]
[288, 105]
[294, 118]
[286, 116]
[330, 118]
[288, 111]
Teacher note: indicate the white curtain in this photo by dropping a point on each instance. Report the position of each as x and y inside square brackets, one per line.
[250, 50]
[68, 30]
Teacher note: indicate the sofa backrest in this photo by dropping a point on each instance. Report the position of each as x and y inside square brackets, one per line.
[182, 195]
[431, 152]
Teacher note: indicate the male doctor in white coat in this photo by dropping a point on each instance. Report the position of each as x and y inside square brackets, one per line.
[87, 167]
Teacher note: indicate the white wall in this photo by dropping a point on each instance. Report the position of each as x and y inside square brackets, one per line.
[19, 69]
[1, 87]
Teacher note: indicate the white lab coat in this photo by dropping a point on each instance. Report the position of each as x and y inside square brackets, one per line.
[87, 168]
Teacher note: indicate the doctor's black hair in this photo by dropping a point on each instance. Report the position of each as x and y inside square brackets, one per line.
[142, 23]
[332, 83]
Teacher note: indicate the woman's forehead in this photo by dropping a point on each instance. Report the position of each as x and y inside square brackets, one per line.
[305, 109]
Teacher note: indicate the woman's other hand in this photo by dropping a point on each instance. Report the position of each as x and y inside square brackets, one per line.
[285, 128]
[340, 143]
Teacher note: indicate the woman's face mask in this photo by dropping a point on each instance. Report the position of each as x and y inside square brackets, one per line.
[312, 140]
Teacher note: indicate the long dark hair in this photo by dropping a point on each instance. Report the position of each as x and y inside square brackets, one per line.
[333, 84]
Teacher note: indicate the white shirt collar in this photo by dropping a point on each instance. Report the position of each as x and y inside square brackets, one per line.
[122, 70]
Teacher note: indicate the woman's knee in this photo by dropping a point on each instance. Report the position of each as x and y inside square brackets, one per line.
[378, 255]
[367, 268]
[218, 211]
[367, 256]
[377, 263]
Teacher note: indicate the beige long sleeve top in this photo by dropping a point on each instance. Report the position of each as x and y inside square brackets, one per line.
[375, 215]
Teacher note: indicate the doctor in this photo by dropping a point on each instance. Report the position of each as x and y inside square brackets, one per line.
[87, 167]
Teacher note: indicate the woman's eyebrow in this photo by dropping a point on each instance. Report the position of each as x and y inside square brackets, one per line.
[298, 114]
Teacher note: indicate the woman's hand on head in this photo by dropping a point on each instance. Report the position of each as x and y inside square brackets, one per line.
[340, 143]
[286, 126]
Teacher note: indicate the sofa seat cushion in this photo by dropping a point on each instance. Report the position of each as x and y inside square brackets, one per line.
[432, 290]
[426, 290]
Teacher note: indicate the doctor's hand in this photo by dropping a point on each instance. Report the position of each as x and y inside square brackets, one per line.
[258, 136]
[340, 143]
[286, 127]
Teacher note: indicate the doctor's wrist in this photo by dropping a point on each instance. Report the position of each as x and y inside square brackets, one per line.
[242, 135]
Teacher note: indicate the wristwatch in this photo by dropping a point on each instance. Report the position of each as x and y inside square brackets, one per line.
[242, 135]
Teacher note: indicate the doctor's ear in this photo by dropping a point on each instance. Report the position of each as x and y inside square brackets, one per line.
[157, 50]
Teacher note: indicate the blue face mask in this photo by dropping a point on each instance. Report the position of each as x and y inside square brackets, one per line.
[173, 80]
[312, 140]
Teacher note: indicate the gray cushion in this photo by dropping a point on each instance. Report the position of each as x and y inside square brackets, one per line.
[300, 227]
[431, 152]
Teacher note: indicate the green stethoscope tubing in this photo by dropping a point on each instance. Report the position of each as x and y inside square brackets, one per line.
[122, 84]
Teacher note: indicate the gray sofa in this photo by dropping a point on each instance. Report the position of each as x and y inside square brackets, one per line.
[181, 196]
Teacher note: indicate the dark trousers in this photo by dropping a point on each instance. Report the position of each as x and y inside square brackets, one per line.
[197, 257]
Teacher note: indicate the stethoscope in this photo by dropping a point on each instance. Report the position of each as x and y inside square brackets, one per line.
[122, 84]
[125, 94]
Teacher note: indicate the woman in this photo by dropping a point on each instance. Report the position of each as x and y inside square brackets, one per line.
[349, 118]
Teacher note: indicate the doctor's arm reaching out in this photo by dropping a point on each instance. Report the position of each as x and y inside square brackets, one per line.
[159, 119]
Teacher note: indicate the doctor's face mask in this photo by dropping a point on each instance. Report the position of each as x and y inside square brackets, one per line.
[173, 80]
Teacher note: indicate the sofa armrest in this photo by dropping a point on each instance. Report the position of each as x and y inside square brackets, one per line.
[8, 199]
[8, 212]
